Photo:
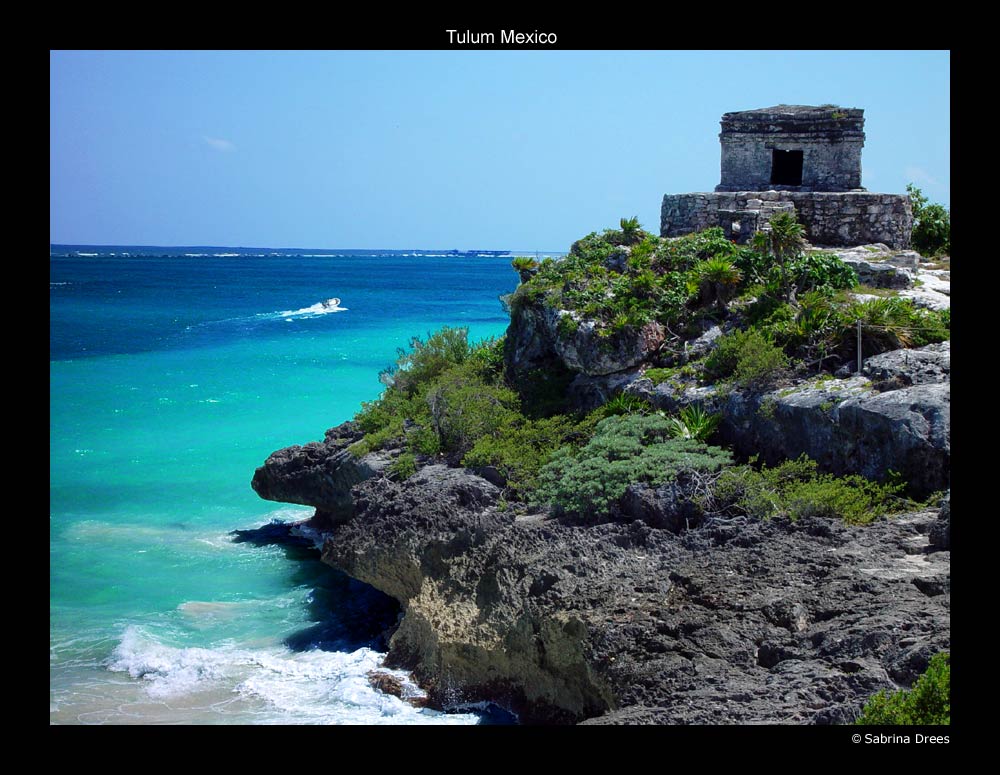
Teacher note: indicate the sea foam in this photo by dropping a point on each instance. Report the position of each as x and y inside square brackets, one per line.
[306, 687]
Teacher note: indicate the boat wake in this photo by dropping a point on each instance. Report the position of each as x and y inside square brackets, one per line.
[320, 308]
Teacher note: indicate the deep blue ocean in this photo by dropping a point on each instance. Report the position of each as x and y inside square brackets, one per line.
[172, 377]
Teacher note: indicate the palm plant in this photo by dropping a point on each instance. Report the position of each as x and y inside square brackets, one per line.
[525, 267]
[886, 323]
[718, 278]
[631, 230]
[785, 240]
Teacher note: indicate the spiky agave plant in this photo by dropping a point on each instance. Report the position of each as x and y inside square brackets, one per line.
[626, 403]
[693, 422]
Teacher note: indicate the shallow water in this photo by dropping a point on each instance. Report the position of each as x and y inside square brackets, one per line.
[171, 380]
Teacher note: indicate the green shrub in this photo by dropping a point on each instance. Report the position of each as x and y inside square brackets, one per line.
[718, 278]
[682, 253]
[424, 439]
[931, 234]
[567, 326]
[525, 446]
[404, 466]
[927, 703]
[426, 360]
[463, 408]
[440, 371]
[796, 489]
[543, 391]
[592, 248]
[487, 356]
[650, 284]
[814, 271]
[747, 357]
[622, 451]
[891, 323]
[659, 376]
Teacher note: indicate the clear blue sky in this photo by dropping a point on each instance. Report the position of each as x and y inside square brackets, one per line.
[518, 150]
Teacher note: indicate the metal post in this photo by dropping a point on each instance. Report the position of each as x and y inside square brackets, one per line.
[859, 346]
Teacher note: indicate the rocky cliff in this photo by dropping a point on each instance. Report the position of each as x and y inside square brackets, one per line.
[655, 613]
[625, 623]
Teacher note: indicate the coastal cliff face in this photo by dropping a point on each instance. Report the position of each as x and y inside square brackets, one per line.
[624, 623]
[656, 612]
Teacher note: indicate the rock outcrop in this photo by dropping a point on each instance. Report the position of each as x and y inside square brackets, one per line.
[878, 266]
[661, 614]
[903, 368]
[895, 418]
[318, 474]
[625, 623]
[539, 336]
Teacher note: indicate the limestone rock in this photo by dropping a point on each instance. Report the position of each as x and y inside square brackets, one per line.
[625, 623]
[846, 425]
[318, 474]
[911, 367]
[876, 274]
[586, 393]
[586, 352]
[940, 532]
[667, 507]
[539, 335]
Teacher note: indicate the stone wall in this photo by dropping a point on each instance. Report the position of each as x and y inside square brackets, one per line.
[829, 137]
[835, 219]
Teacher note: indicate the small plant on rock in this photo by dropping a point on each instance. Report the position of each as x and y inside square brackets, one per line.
[693, 422]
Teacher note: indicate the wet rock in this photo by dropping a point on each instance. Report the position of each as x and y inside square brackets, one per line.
[391, 684]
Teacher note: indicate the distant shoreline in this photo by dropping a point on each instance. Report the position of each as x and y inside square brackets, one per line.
[222, 251]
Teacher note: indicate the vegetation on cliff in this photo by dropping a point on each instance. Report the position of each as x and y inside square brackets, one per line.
[630, 374]
[928, 702]
[624, 450]
[784, 313]
[931, 225]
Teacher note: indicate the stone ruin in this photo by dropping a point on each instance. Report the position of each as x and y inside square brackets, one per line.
[794, 158]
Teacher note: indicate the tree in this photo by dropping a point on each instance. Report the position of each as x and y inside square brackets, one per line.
[785, 240]
[931, 233]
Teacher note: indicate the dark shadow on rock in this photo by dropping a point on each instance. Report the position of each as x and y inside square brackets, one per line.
[494, 715]
[348, 614]
[271, 534]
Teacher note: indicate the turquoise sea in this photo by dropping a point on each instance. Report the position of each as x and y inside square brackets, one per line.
[173, 375]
